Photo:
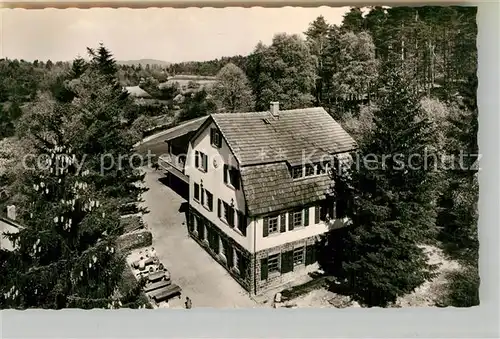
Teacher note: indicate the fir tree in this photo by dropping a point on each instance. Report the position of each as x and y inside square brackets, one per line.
[102, 134]
[391, 205]
[65, 254]
[77, 68]
[102, 60]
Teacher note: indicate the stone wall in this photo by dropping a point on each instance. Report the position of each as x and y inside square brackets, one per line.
[247, 281]
[278, 279]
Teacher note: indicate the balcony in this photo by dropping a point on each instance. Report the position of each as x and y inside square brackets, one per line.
[174, 164]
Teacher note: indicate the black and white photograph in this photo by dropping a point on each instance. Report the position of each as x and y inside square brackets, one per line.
[293, 157]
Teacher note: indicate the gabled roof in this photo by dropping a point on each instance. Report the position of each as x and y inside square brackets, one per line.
[174, 132]
[258, 137]
[265, 146]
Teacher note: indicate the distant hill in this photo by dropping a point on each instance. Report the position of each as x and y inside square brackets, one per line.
[143, 62]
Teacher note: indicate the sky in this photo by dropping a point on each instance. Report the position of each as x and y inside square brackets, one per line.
[167, 34]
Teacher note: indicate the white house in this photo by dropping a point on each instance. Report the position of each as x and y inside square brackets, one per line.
[258, 191]
[8, 225]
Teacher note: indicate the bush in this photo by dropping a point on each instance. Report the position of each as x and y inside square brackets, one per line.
[129, 287]
[297, 291]
[463, 288]
[132, 223]
[132, 241]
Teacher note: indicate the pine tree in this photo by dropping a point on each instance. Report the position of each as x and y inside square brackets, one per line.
[391, 203]
[102, 133]
[102, 60]
[317, 39]
[459, 213]
[353, 20]
[78, 67]
[65, 253]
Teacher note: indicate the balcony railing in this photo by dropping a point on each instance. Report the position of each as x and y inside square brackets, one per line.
[173, 164]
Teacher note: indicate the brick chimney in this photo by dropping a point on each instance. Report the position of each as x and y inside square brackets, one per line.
[11, 212]
[275, 109]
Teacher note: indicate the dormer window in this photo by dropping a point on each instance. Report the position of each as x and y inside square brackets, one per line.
[310, 170]
[322, 168]
[297, 172]
[215, 138]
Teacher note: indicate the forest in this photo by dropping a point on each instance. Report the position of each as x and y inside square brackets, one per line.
[399, 80]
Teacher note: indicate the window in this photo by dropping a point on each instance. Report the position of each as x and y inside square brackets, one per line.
[196, 195]
[273, 263]
[297, 172]
[207, 200]
[297, 219]
[321, 168]
[201, 161]
[298, 256]
[310, 170]
[227, 213]
[231, 176]
[273, 225]
[215, 138]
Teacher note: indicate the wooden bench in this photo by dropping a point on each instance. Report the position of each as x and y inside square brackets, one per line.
[156, 285]
[157, 276]
[167, 293]
[148, 261]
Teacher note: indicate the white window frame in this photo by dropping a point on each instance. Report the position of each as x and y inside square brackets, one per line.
[216, 139]
[269, 227]
[275, 268]
[295, 224]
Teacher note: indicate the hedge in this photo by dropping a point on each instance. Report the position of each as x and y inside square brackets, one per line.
[132, 223]
[131, 241]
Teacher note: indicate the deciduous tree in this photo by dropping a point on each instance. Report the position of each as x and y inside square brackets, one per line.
[284, 72]
[232, 91]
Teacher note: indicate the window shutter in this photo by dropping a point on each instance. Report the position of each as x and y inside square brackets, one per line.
[231, 217]
[265, 227]
[316, 214]
[310, 254]
[283, 223]
[242, 223]
[205, 162]
[196, 159]
[306, 216]
[197, 191]
[225, 173]
[290, 221]
[263, 269]
[212, 136]
[202, 196]
[210, 202]
[219, 208]
[230, 254]
[286, 262]
[219, 139]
